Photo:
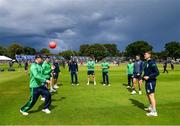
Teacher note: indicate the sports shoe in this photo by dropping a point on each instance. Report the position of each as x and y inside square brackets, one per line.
[24, 113]
[56, 87]
[42, 99]
[128, 87]
[52, 90]
[152, 114]
[108, 85]
[77, 84]
[140, 92]
[133, 92]
[47, 111]
[94, 83]
[148, 108]
[88, 83]
[104, 84]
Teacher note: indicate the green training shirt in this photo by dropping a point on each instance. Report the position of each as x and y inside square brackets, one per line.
[36, 75]
[130, 68]
[105, 66]
[90, 65]
[46, 69]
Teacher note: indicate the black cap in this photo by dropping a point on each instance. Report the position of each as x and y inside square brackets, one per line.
[38, 56]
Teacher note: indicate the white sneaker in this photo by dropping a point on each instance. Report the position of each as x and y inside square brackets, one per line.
[94, 83]
[24, 113]
[104, 84]
[47, 111]
[148, 109]
[152, 114]
[140, 92]
[42, 99]
[128, 87]
[88, 83]
[133, 92]
[52, 90]
[77, 84]
[109, 85]
[56, 87]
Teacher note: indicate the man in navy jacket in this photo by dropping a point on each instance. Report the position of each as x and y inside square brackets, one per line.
[73, 69]
[150, 73]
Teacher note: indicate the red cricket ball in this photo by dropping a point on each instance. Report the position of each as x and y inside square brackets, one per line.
[52, 44]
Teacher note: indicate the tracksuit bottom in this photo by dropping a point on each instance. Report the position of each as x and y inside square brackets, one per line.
[74, 74]
[130, 80]
[105, 77]
[34, 95]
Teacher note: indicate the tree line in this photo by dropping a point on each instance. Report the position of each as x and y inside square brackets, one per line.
[99, 51]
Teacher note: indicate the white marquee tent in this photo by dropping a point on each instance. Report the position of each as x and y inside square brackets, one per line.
[5, 58]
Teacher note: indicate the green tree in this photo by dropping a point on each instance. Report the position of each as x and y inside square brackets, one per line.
[83, 48]
[173, 49]
[3, 51]
[15, 49]
[67, 54]
[98, 51]
[137, 48]
[45, 51]
[160, 55]
[29, 51]
[112, 49]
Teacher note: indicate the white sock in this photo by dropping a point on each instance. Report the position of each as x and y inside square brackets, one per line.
[153, 110]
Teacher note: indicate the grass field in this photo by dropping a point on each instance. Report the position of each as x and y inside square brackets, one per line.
[90, 105]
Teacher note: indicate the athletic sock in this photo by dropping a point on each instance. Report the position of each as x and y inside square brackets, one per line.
[51, 88]
[153, 110]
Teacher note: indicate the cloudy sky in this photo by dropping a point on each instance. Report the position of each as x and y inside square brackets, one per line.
[74, 22]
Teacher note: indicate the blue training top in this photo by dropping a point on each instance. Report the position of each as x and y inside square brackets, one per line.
[73, 67]
[138, 67]
[151, 70]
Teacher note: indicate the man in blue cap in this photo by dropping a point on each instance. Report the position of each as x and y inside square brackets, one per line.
[37, 88]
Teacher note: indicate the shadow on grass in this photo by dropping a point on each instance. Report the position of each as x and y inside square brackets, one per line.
[53, 93]
[60, 85]
[101, 82]
[129, 89]
[41, 107]
[51, 107]
[61, 99]
[138, 104]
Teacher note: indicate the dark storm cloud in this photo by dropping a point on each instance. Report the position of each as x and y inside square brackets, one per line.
[74, 22]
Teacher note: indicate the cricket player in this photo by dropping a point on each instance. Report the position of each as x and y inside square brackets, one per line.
[90, 72]
[56, 72]
[37, 87]
[73, 69]
[105, 68]
[47, 71]
[165, 67]
[150, 73]
[137, 75]
[130, 69]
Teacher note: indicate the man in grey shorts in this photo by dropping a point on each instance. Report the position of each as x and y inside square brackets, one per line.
[137, 75]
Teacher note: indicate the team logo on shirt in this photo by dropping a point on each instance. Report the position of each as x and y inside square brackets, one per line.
[147, 65]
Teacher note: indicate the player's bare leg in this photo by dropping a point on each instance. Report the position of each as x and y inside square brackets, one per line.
[94, 80]
[51, 85]
[88, 80]
[134, 87]
[150, 106]
[140, 86]
[153, 111]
